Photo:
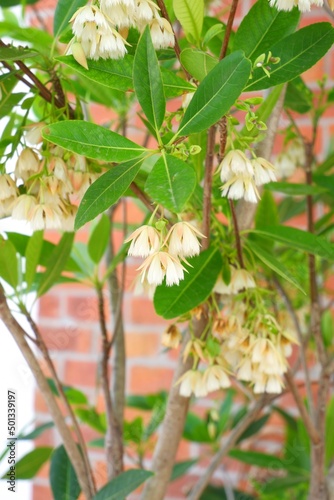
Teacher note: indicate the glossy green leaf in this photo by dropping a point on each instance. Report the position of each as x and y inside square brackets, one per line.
[98, 241]
[28, 466]
[261, 459]
[8, 262]
[173, 301]
[327, 328]
[63, 13]
[106, 191]
[35, 433]
[123, 485]
[298, 96]
[174, 85]
[284, 483]
[92, 140]
[147, 81]
[270, 261]
[190, 14]
[63, 478]
[73, 395]
[16, 53]
[196, 429]
[32, 255]
[294, 189]
[180, 468]
[216, 94]
[9, 101]
[56, 263]
[37, 39]
[301, 240]
[329, 440]
[266, 215]
[171, 182]
[297, 52]
[263, 27]
[146, 402]
[225, 410]
[197, 62]
[254, 427]
[93, 419]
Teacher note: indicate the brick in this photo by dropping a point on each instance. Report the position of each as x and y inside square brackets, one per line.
[49, 306]
[83, 308]
[145, 380]
[141, 344]
[82, 373]
[70, 338]
[41, 492]
[142, 312]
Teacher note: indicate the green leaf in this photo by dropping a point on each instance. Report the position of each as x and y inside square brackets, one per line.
[327, 328]
[16, 53]
[329, 441]
[8, 262]
[301, 240]
[197, 62]
[92, 140]
[36, 432]
[174, 85]
[260, 459]
[63, 478]
[216, 94]
[225, 410]
[270, 261]
[8, 102]
[32, 255]
[123, 485]
[170, 302]
[99, 239]
[148, 81]
[106, 191]
[294, 189]
[283, 483]
[63, 13]
[212, 492]
[266, 215]
[28, 466]
[73, 395]
[298, 96]
[146, 402]
[180, 468]
[171, 182]
[196, 429]
[56, 263]
[93, 419]
[297, 52]
[190, 14]
[39, 40]
[263, 27]
[254, 427]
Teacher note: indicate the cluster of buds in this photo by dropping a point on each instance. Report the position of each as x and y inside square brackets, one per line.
[241, 176]
[164, 256]
[100, 30]
[303, 5]
[47, 186]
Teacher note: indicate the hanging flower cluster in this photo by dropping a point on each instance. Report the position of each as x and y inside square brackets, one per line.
[48, 183]
[100, 30]
[292, 157]
[164, 256]
[241, 176]
[303, 5]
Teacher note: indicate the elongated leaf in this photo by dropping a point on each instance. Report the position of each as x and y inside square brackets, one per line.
[93, 141]
[198, 63]
[15, 53]
[117, 74]
[261, 459]
[28, 466]
[123, 485]
[32, 255]
[297, 52]
[295, 189]
[148, 81]
[225, 410]
[190, 14]
[8, 262]
[196, 429]
[298, 96]
[180, 468]
[329, 442]
[64, 11]
[171, 182]
[39, 40]
[8, 102]
[56, 263]
[171, 302]
[270, 261]
[63, 478]
[263, 27]
[284, 483]
[99, 238]
[301, 240]
[106, 191]
[254, 427]
[36, 432]
[212, 492]
[216, 94]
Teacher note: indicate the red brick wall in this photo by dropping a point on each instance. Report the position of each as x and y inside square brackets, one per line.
[68, 319]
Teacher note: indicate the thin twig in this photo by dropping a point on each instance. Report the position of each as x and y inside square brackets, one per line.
[236, 234]
[207, 189]
[228, 30]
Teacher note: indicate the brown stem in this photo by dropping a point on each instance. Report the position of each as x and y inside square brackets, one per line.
[227, 444]
[70, 445]
[208, 176]
[236, 234]
[228, 29]
[113, 437]
[44, 350]
[172, 427]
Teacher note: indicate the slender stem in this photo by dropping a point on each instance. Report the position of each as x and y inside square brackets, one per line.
[208, 176]
[236, 234]
[44, 350]
[70, 445]
[228, 30]
[113, 437]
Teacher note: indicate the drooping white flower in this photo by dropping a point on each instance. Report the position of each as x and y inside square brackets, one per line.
[241, 186]
[215, 378]
[8, 187]
[161, 33]
[120, 12]
[34, 134]
[144, 241]
[303, 5]
[44, 216]
[23, 205]
[182, 240]
[241, 279]
[144, 12]
[235, 163]
[171, 337]
[191, 383]
[160, 264]
[264, 171]
[27, 164]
